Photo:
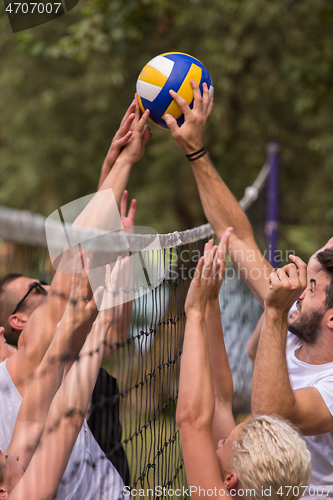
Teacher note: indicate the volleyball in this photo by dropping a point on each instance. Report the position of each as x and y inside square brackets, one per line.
[170, 71]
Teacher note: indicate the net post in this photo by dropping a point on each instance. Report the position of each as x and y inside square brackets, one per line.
[272, 213]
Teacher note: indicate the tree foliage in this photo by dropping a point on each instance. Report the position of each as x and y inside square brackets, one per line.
[65, 86]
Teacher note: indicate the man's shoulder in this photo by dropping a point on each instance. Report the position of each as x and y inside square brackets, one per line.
[4, 375]
[293, 343]
[7, 384]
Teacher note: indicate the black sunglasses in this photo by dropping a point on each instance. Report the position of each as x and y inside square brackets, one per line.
[37, 285]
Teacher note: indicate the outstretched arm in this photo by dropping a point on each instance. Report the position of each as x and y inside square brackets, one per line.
[38, 333]
[271, 387]
[252, 345]
[73, 327]
[220, 206]
[223, 421]
[118, 332]
[121, 137]
[132, 152]
[69, 406]
[195, 408]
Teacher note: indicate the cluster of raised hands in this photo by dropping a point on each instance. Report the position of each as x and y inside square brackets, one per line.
[54, 392]
[70, 335]
[82, 332]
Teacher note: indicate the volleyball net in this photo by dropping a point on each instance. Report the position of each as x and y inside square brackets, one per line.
[146, 364]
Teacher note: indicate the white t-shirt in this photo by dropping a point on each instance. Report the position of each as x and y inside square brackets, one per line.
[321, 447]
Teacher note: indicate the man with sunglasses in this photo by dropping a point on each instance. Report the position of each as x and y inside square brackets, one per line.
[37, 287]
[34, 309]
[13, 286]
[19, 297]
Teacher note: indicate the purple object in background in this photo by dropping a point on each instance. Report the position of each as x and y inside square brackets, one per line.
[272, 217]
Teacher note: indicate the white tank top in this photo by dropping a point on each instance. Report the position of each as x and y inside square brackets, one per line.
[89, 474]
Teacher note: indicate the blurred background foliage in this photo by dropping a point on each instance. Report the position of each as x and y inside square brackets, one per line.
[65, 85]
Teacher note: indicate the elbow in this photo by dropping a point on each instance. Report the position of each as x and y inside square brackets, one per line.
[223, 406]
[260, 410]
[69, 423]
[187, 419]
[271, 408]
[262, 406]
[251, 352]
[74, 418]
[183, 416]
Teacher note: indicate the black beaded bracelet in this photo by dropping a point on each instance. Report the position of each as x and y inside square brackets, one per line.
[196, 155]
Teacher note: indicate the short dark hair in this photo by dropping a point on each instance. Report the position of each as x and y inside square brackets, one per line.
[325, 258]
[8, 278]
[7, 303]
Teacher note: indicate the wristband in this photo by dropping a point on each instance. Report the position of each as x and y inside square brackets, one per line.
[196, 155]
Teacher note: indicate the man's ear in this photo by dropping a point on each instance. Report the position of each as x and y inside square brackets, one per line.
[231, 480]
[3, 493]
[18, 321]
[330, 319]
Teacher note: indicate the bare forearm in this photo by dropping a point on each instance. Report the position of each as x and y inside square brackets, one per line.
[36, 403]
[51, 457]
[83, 374]
[37, 400]
[196, 394]
[104, 173]
[107, 167]
[221, 374]
[223, 421]
[117, 333]
[222, 210]
[33, 412]
[35, 341]
[221, 207]
[66, 415]
[252, 345]
[271, 389]
[99, 210]
[98, 214]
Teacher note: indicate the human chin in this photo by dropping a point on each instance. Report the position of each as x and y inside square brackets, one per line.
[293, 317]
[307, 326]
[5, 350]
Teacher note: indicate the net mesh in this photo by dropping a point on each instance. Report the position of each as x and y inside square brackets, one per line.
[142, 392]
[148, 372]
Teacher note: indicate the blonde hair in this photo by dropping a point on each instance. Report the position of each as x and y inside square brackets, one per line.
[269, 453]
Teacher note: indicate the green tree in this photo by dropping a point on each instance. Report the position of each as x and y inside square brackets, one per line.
[65, 86]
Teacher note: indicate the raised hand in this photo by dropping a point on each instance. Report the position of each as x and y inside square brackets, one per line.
[219, 265]
[122, 136]
[113, 298]
[79, 309]
[127, 221]
[208, 275]
[141, 134]
[189, 137]
[197, 295]
[286, 285]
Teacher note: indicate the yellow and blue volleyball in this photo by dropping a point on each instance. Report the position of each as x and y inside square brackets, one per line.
[170, 71]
